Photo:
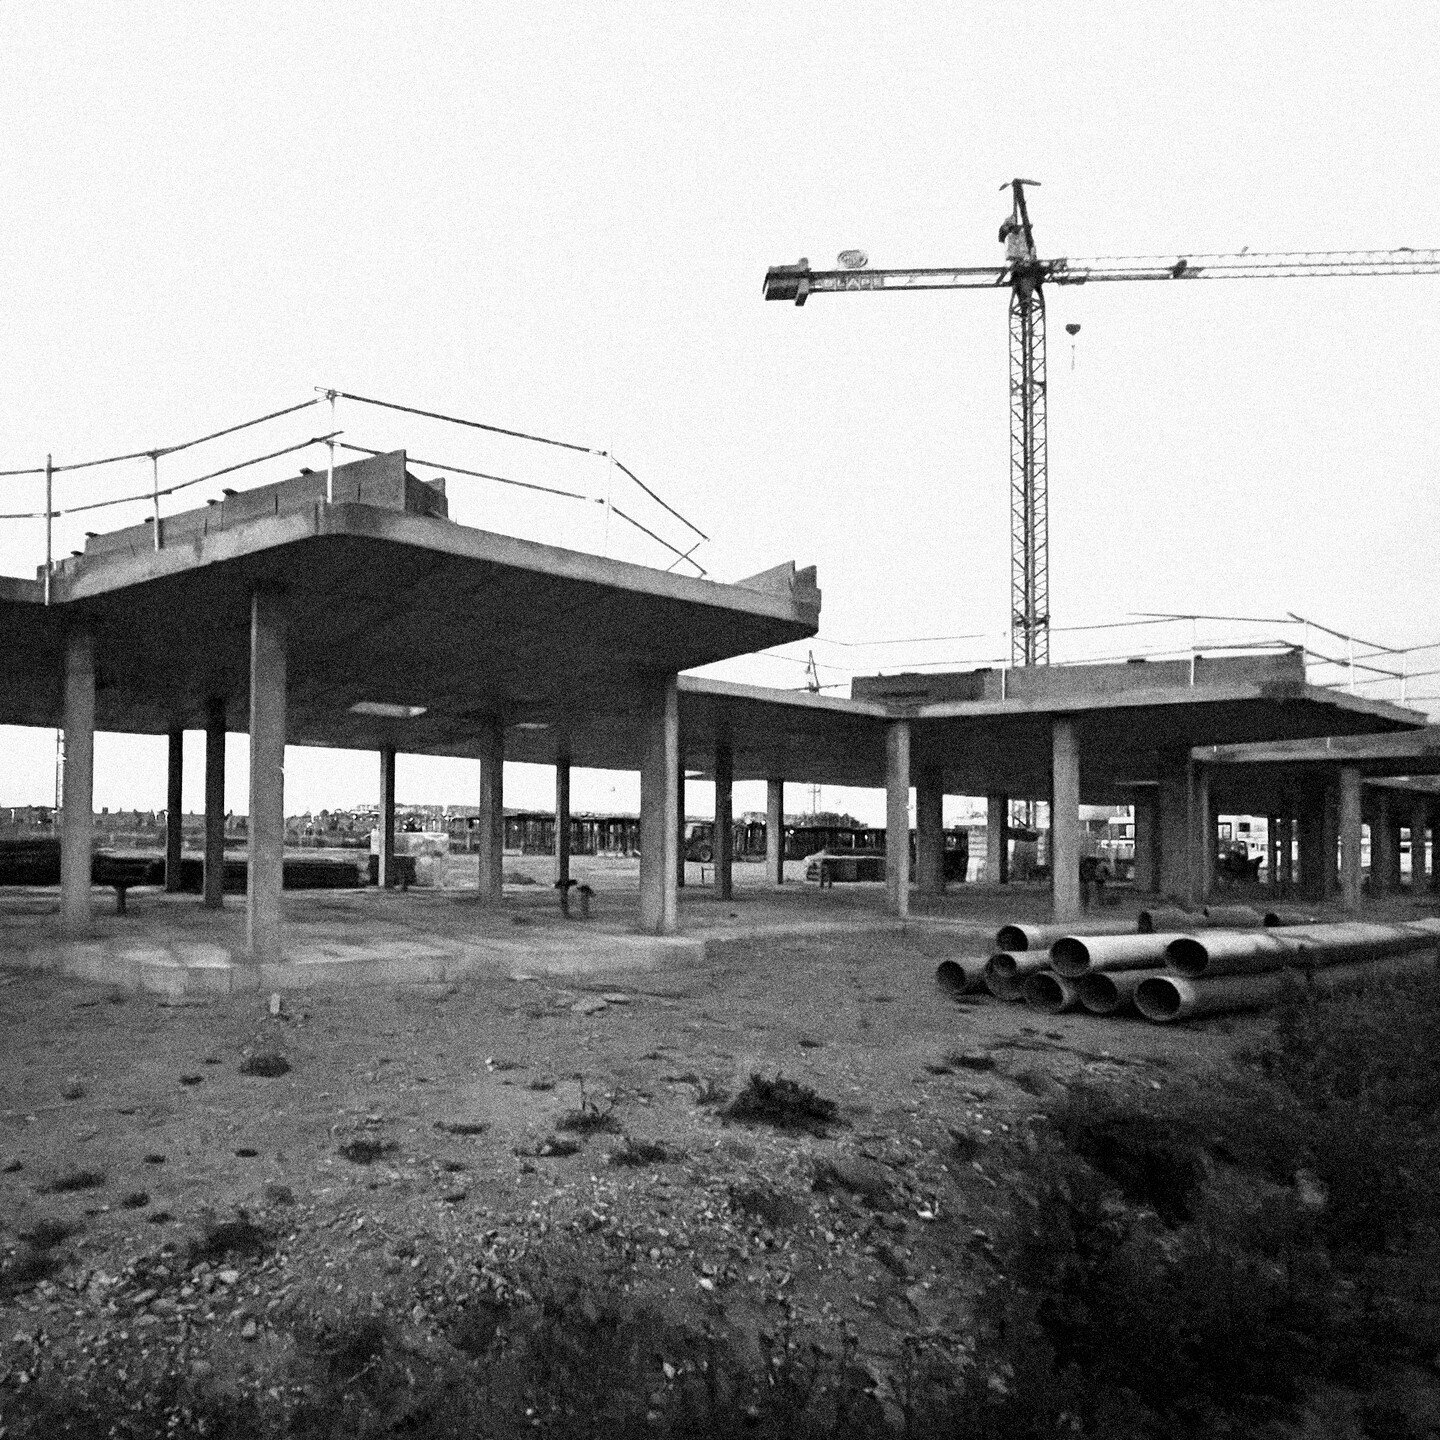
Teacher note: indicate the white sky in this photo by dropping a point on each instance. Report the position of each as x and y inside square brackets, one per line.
[558, 218]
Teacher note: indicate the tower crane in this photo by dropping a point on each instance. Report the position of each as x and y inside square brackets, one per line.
[1025, 276]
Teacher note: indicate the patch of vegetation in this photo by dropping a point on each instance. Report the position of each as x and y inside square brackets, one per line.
[461, 1127]
[47, 1233]
[26, 1268]
[638, 1153]
[73, 1180]
[266, 1064]
[589, 1119]
[765, 1203]
[224, 1239]
[785, 1105]
[367, 1149]
[135, 1200]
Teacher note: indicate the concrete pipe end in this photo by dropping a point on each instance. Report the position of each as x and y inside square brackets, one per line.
[1188, 955]
[1159, 999]
[1070, 956]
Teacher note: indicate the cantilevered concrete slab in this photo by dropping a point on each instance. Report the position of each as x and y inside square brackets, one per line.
[390, 606]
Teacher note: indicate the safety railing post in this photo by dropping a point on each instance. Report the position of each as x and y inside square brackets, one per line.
[155, 493]
[49, 523]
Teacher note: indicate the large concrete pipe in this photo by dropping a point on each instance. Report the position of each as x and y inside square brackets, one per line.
[1336, 979]
[1005, 973]
[1168, 920]
[1285, 915]
[1166, 998]
[1010, 939]
[958, 976]
[1222, 952]
[1355, 942]
[1052, 993]
[1109, 992]
[1076, 955]
[1234, 917]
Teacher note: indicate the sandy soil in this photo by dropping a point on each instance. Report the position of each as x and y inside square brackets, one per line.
[457, 1096]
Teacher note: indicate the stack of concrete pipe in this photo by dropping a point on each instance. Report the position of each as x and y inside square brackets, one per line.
[1230, 960]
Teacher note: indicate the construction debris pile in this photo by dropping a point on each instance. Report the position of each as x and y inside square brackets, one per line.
[1179, 965]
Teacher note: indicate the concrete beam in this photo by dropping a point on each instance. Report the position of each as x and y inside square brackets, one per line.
[174, 808]
[930, 833]
[214, 883]
[775, 831]
[897, 817]
[659, 812]
[1349, 825]
[386, 869]
[1064, 821]
[723, 839]
[77, 821]
[562, 819]
[268, 684]
[997, 839]
[491, 820]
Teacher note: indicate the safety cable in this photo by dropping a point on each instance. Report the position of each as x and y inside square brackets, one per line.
[456, 420]
[478, 474]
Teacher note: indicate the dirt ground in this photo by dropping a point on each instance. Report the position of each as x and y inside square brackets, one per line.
[414, 1154]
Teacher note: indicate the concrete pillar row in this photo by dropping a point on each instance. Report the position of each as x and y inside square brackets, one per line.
[386, 871]
[214, 881]
[491, 820]
[268, 683]
[77, 819]
[660, 811]
[174, 808]
[775, 831]
[997, 839]
[722, 841]
[930, 832]
[1064, 821]
[1349, 832]
[897, 817]
[562, 819]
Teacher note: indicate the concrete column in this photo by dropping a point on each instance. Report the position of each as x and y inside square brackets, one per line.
[1272, 853]
[1384, 845]
[897, 817]
[1419, 819]
[660, 812]
[1311, 819]
[174, 809]
[1202, 853]
[1434, 820]
[77, 820]
[997, 839]
[775, 831]
[387, 871]
[1064, 821]
[562, 818]
[1147, 851]
[930, 833]
[723, 839]
[214, 802]
[1330, 842]
[680, 822]
[267, 775]
[1285, 852]
[1173, 828]
[491, 820]
[1350, 837]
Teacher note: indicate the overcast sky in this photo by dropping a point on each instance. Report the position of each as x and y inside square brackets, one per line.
[558, 218]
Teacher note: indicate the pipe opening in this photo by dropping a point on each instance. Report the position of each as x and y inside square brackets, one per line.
[950, 976]
[1188, 956]
[1158, 999]
[1004, 965]
[1070, 955]
[1011, 937]
[1098, 993]
[1048, 992]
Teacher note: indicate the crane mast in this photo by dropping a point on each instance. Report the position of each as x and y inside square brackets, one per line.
[1025, 276]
